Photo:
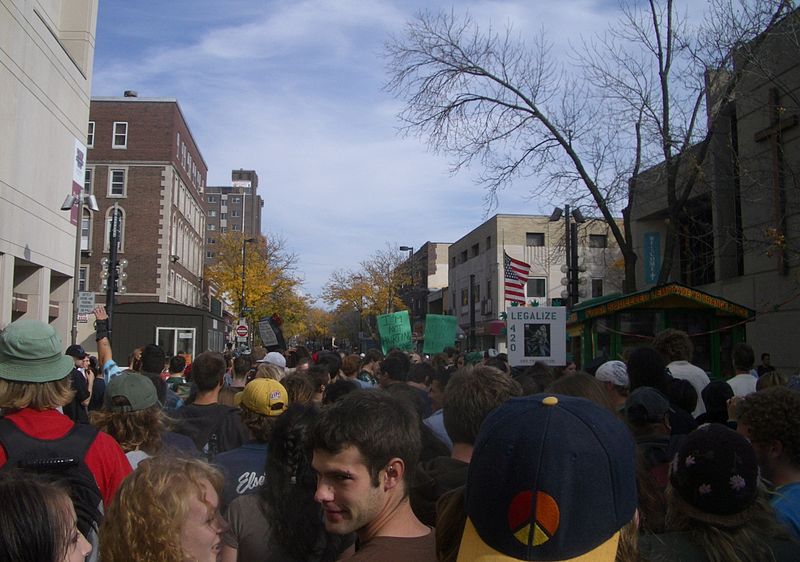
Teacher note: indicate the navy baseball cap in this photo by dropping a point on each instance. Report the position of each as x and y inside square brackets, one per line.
[552, 477]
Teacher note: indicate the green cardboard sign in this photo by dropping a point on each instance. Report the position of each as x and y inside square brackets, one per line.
[395, 331]
[440, 332]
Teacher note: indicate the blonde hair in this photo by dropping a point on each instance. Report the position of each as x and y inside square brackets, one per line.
[267, 371]
[15, 395]
[133, 430]
[143, 524]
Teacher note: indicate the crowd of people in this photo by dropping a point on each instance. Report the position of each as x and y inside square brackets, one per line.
[290, 456]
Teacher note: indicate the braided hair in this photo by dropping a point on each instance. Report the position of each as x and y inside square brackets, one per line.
[288, 500]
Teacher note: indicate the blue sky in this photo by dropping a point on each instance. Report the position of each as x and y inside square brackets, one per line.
[294, 90]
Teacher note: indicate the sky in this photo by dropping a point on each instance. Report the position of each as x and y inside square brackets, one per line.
[295, 90]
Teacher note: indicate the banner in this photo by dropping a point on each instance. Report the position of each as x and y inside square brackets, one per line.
[440, 332]
[537, 334]
[395, 331]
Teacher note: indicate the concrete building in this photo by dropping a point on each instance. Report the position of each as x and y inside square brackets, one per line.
[429, 277]
[740, 232]
[232, 208]
[476, 271]
[47, 52]
[144, 161]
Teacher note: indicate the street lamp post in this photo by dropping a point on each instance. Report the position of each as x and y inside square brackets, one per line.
[242, 307]
[571, 246]
[77, 201]
[410, 250]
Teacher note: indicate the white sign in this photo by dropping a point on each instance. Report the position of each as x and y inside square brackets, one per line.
[83, 318]
[85, 302]
[268, 337]
[537, 334]
[241, 332]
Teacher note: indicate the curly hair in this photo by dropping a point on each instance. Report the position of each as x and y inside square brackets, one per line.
[144, 521]
[133, 430]
[674, 345]
[258, 424]
[773, 414]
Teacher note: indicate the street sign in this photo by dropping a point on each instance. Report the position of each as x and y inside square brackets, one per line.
[85, 302]
[241, 331]
[248, 309]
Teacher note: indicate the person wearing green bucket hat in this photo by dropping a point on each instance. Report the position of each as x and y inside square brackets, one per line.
[35, 384]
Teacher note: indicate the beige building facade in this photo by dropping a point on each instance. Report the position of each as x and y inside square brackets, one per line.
[476, 266]
[46, 57]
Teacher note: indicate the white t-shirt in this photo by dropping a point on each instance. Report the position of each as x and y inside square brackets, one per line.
[696, 376]
[743, 384]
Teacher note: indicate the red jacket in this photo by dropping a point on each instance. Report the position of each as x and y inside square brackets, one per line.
[105, 458]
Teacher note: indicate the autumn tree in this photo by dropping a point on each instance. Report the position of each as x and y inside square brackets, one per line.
[373, 289]
[270, 283]
[583, 126]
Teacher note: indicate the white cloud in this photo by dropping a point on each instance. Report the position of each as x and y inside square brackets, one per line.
[294, 91]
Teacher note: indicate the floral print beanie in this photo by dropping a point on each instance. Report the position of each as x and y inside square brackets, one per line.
[715, 473]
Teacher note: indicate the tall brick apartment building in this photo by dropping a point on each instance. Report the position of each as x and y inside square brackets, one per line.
[232, 208]
[142, 156]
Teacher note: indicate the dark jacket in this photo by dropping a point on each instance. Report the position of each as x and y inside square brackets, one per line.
[433, 479]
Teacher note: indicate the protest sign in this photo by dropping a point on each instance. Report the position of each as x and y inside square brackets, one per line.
[395, 331]
[440, 332]
[537, 334]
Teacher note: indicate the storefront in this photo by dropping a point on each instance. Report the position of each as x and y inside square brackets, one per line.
[610, 326]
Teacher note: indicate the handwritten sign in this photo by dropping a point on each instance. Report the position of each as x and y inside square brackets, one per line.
[440, 332]
[395, 331]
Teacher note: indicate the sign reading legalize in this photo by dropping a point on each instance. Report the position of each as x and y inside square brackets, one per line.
[395, 331]
[537, 334]
[440, 332]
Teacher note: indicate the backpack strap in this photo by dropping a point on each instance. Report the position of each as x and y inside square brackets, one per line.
[19, 445]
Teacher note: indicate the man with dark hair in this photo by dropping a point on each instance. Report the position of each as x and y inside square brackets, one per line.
[332, 362]
[743, 383]
[676, 347]
[153, 360]
[438, 382]
[241, 366]
[82, 382]
[365, 448]
[470, 395]
[213, 427]
[394, 368]
[320, 378]
[770, 419]
[766, 365]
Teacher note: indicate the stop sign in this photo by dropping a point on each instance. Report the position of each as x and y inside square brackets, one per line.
[241, 330]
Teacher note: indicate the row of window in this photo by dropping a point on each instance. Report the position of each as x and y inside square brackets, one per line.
[536, 289]
[532, 239]
[119, 136]
[232, 199]
[86, 230]
[224, 216]
[117, 185]
[186, 160]
[223, 229]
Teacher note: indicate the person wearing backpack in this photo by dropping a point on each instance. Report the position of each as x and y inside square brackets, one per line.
[214, 427]
[35, 436]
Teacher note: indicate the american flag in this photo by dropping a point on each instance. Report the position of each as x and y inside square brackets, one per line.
[516, 275]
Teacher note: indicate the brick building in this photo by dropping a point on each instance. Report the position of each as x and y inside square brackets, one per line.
[143, 158]
[232, 208]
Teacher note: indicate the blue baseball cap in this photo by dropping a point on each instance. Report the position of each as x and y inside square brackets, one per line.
[551, 478]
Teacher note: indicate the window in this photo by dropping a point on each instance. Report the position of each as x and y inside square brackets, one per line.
[90, 135]
[121, 237]
[464, 256]
[537, 288]
[212, 199]
[235, 213]
[453, 262]
[83, 276]
[86, 231]
[534, 239]
[212, 213]
[598, 241]
[209, 254]
[120, 135]
[236, 199]
[488, 243]
[223, 229]
[210, 240]
[211, 226]
[464, 297]
[235, 227]
[223, 216]
[488, 288]
[117, 182]
[87, 181]
[475, 250]
[597, 288]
